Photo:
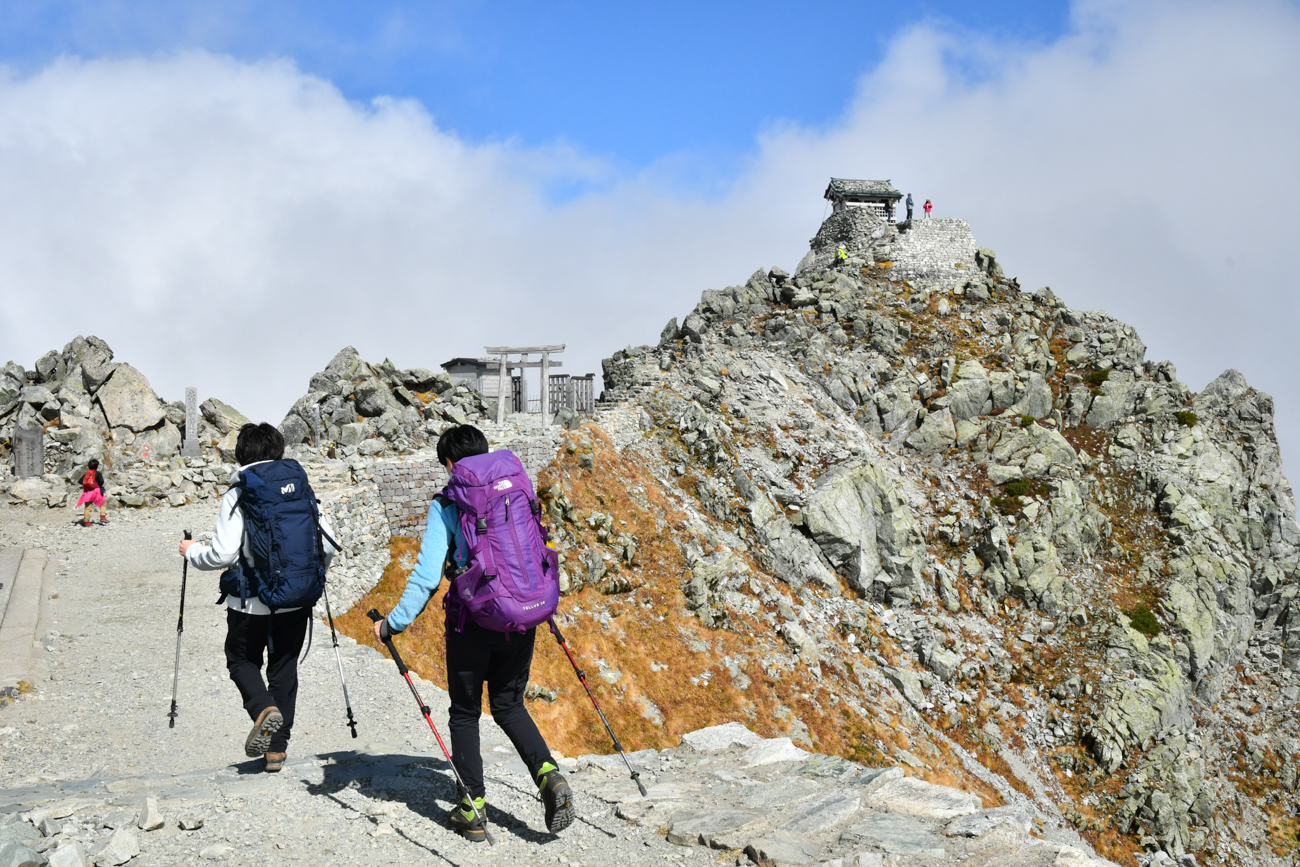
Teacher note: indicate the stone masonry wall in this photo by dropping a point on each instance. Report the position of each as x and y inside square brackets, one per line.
[406, 487]
[939, 250]
[357, 516]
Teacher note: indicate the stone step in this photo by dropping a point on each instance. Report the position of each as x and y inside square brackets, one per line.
[22, 617]
[9, 560]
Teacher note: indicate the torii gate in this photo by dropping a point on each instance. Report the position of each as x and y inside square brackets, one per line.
[503, 365]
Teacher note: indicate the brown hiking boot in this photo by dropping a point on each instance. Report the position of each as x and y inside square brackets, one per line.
[275, 761]
[259, 739]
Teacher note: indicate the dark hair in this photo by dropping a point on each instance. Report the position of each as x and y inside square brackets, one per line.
[259, 442]
[461, 441]
[94, 464]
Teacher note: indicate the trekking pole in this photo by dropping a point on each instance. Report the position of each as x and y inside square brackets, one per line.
[582, 678]
[424, 709]
[180, 629]
[346, 701]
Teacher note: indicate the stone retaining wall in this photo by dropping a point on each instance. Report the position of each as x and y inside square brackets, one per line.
[358, 518]
[407, 486]
[941, 250]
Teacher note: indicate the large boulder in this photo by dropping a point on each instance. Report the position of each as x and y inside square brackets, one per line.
[163, 442]
[96, 363]
[969, 394]
[374, 399]
[222, 416]
[51, 368]
[128, 401]
[864, 529]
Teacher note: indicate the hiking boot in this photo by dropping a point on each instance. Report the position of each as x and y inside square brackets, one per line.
[259, 739]
[463, 821]
[275, 761]
[557, 798]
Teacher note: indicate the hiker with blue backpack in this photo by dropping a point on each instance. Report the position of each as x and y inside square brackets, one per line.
[274, 548]
[484, 532]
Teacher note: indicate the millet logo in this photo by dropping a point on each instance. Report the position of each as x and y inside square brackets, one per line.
[287, 489]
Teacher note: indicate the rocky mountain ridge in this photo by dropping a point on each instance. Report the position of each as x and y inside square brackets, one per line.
[1076, 572]
[898, 511]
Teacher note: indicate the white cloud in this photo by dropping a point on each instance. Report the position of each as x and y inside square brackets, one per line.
[231, 225]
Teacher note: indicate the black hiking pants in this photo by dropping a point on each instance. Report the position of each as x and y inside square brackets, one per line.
[476, 655]
[246, 639]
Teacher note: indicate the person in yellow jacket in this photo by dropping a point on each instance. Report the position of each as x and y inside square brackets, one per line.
[841, 255]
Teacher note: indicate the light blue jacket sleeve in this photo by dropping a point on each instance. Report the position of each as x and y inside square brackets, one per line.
[440, 528]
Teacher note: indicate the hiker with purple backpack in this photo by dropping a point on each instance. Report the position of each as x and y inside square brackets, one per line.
[484, 532]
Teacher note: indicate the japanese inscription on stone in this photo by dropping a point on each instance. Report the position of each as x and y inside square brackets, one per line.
[29, 452]
[190, 448]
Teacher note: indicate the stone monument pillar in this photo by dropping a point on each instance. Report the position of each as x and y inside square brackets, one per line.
[29, 452]
[315, 424]
[190, 447]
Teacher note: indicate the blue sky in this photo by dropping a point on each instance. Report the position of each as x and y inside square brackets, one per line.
[629, 83]
[421, 180]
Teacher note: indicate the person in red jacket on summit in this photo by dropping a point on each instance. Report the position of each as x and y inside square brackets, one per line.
[927, 208]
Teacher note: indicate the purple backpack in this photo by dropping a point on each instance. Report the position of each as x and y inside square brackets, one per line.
[511, 580]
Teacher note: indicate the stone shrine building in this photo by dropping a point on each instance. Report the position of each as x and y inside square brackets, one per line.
[877, 195]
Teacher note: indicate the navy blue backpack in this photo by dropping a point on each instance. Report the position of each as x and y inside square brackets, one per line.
[282, 530]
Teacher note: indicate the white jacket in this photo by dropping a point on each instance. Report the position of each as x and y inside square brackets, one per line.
[228, 538]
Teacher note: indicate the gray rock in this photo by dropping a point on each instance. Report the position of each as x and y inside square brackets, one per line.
[353, 434]
[19, 832]
[151, 819]
[696, 827]
[721, 737]
[121, 818]
[782, 847]
[969, 395]
[96, 363]
[36, 395]
[772, 751]
[49, 826]
[51, 368]
[791, 791]
[801, 641]
[294, 430]
[372, 446]
[192, 823]
[978, 824]
[120, 848]
[373, 399]
[821, 813]
[918, 798]
[222, 416]
[128, 401]
[896, 835]
[908, 684]
[18, 855]
[943, 662]
[217, 852]
[69, 855]
[936, 434]
[163, 441]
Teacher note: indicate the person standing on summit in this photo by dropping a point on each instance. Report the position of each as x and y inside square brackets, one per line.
[909, 207]
[928, 206]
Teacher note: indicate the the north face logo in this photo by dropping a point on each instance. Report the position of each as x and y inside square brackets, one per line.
[502, 485]
[287, 489]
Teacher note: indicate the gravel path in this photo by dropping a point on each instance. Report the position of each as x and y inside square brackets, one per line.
[93, 740]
